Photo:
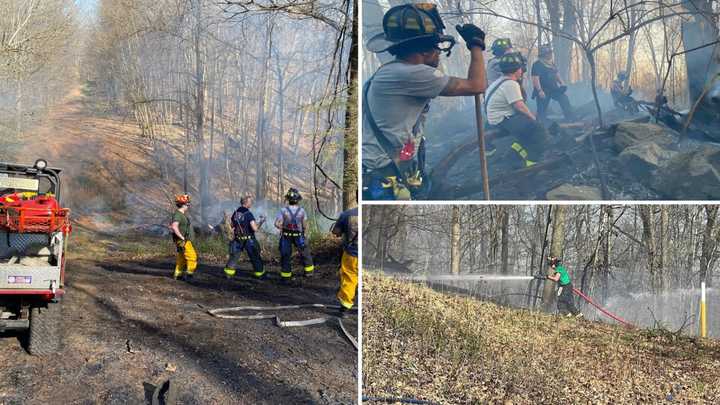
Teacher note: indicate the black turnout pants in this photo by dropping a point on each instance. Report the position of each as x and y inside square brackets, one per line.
[561, 98]
[565, 302]
[532, 135]
[249, 245]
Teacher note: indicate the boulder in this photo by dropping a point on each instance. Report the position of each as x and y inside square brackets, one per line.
[631, 133]
[693, 175]
[642, 159]
[568, 192]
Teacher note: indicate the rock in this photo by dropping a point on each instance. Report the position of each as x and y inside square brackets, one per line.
[691, 175]
[631, 133]
[642, 159]
[574, 193]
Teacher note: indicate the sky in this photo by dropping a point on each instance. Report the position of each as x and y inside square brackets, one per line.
[87, 6]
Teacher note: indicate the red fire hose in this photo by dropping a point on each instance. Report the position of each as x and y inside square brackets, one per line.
[601, 309]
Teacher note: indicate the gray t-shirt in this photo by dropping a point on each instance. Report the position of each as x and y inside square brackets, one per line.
[398, 98]
[500, 101]
[291, 217]
[493, 70]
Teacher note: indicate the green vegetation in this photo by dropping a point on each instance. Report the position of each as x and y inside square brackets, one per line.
[424, 344]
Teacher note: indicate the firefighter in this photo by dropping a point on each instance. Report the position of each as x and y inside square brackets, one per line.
[347, 227]
[396, 98]
[244, 228]
[183, 235]
[547, 85]
[565, 302]
[499, 47]
[506, 109]
[622, 95]
[291, 221]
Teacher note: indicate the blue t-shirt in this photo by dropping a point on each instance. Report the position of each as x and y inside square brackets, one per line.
[241, 222]
[347, 224]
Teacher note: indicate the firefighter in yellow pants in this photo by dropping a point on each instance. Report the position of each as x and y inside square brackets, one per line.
[347, 227]
[183, 235]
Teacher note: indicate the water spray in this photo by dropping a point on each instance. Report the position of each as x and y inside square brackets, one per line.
[464, 277]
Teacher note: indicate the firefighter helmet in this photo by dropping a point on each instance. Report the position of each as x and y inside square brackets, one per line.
[293, 196]
[408, 22]
[182, 199]
[511, 62]
[500, 46]
[545, 50]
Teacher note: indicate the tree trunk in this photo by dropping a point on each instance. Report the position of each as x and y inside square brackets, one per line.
[556, 249]
[708, 244]
[605, 273]
[350, 170]
[593, 84]
[260, 127]
[698, 31]
[455, 241]
[200, 114]
[504, 228]
[647, 217]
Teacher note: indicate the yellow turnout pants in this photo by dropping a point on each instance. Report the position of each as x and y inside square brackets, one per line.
[186, 260]
[348, 280]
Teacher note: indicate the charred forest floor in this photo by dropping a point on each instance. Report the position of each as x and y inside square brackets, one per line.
[449, 349]
[129, 327]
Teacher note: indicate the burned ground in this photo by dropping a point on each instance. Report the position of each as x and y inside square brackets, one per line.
[419, 343]
[583, 161]
[129, 327]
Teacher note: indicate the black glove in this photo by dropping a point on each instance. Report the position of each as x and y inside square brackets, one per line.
[180, 246]
[472, 35]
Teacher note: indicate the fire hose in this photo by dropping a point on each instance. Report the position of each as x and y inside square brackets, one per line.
[601, 309]
[220, 313]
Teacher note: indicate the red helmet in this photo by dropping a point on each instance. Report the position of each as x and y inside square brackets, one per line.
[182, 199]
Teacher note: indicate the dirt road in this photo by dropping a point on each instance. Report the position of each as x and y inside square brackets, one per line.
[129, 325]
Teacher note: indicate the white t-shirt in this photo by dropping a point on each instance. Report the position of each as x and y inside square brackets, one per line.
[499, 105]
[398, 97]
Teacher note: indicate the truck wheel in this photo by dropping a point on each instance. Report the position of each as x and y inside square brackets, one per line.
[44, 334]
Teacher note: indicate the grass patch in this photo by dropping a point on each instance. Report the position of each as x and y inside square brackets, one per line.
[424, 344]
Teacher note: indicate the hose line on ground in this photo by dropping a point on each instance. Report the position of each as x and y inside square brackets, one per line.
[601, 309]
[221, 313]
[400, 400]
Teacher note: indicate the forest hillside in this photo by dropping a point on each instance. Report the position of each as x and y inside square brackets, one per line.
[440, 348]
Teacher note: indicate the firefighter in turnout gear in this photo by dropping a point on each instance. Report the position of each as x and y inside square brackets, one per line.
[506, 109]
[565, 302]
[291, 221]
[347, 227]
[183, 235]
[397, 97]
[244, 228]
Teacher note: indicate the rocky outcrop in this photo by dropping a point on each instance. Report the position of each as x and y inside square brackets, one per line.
[632, 133]
[568, 192]
[642, 159]
[691, 175]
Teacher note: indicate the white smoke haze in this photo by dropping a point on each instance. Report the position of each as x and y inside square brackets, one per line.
[415, 244]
